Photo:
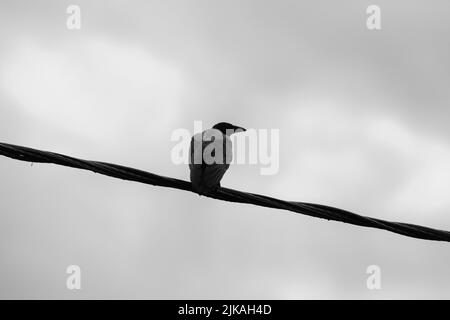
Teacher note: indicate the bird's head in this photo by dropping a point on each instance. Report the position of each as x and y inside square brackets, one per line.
[228, 128]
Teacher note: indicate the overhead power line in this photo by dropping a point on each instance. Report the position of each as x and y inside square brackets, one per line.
[310, 209]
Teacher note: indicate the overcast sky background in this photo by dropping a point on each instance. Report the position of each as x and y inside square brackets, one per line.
[363, 118]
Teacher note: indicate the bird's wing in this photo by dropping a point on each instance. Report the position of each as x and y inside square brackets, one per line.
[208, 175]
[196, 150]
[213, 173]
[196, 164]
[200, 141]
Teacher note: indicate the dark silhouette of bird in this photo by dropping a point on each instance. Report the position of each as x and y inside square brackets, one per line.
[211, 153]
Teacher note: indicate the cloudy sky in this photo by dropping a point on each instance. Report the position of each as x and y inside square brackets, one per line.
[363, 119]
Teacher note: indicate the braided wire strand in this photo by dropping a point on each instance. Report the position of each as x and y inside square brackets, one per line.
[311, 209]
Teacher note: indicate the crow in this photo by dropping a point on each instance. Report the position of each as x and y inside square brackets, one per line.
[211, 153]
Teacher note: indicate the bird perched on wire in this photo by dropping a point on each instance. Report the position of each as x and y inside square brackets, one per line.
[211, 153]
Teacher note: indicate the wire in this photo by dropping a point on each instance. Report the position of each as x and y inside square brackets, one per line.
[225, 194]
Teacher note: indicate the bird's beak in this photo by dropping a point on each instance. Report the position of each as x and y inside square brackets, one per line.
[239, 129]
